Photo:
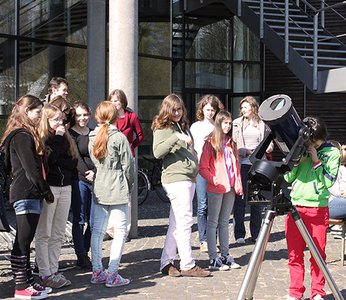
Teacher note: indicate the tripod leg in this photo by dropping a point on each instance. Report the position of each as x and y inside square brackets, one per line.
[248, 285]
[317, 256]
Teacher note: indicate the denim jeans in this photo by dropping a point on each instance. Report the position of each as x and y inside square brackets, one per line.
[82, 198]
[337, 208]
[202, 207]
[101, 216]
[239, 210]
[219, 210]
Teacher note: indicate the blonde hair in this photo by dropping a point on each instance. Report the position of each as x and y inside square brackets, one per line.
[19, 119]
[253, 104]
[48, 112]
[218, 136]
[164, 118]
[105, 114]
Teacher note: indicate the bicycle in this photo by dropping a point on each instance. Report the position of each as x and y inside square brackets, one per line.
[150, 180]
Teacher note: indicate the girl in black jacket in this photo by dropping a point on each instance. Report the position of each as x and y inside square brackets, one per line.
[27, 190]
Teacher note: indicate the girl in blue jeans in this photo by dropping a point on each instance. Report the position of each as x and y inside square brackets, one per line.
[82, 190]
[207, 108]
[111, 154]
[219, 166]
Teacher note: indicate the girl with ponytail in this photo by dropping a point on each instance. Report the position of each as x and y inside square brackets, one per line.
[111, 154]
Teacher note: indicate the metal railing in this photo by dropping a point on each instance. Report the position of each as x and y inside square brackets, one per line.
[315, 37]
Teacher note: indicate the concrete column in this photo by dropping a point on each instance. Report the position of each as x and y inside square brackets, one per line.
[123, 65]
[97, 38]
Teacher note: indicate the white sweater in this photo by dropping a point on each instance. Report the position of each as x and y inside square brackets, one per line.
[200, 130]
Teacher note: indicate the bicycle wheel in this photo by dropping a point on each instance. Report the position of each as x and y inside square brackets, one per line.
[143, 187]
[161, 193]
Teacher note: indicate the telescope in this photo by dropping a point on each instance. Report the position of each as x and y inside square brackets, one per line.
[265, 179]
[266, 184]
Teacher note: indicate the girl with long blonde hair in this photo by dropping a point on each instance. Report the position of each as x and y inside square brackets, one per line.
[24, 151]
[173, 144]
[111, 154]
[62, 163]
[220, 167]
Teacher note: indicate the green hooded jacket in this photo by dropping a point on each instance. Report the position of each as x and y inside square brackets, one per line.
[310, 182]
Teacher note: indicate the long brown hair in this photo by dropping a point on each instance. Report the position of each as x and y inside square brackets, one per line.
[208, 99]
[121, 96]
[106, 114]
[19, 119]
[48, 112]
[164, 118]
[217, 136]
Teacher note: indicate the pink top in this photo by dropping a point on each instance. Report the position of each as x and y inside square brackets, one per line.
[214, 170]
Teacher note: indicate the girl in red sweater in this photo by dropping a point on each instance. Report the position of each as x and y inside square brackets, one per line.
[220, 167]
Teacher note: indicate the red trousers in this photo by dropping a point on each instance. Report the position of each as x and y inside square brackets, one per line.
[316, 222]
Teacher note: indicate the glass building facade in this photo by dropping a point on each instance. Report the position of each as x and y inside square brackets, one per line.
[188, 54]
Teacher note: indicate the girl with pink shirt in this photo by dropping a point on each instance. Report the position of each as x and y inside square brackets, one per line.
[220, 167]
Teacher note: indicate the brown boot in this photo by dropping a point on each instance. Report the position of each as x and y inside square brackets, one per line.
[170, 270]
[196, 271]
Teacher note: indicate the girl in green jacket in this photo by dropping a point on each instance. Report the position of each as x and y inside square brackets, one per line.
[173, 144]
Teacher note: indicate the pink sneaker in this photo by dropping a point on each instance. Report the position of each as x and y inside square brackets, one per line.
[29, 293]
[98, 277]
[115, 280]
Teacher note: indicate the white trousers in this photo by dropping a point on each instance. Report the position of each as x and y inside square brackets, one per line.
[50, 232]
[180, 221]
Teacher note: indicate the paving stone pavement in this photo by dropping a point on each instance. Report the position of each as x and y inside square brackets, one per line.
[141, 257]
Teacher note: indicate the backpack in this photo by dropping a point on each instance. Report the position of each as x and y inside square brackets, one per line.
[5, 180]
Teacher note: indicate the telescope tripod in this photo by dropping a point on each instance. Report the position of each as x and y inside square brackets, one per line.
[248, 285]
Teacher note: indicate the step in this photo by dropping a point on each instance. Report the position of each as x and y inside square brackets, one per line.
[310, 42]
[268, 2]
[268, 8]
[295, 28]
[331, 58]
[328, 66]
[282, 15]
[321, 50]
[268, 20]
[306, 35]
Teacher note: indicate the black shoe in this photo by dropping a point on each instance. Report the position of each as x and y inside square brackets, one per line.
[65, 267]
[83, 261]
[128, 239]
[107, 237]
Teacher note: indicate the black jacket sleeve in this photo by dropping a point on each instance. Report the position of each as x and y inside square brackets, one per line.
[24, 146]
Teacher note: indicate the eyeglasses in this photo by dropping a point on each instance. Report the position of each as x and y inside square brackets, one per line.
[179, 109]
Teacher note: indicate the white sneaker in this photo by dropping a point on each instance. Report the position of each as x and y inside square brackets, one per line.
[229, 261]
[318, 297]
[217, 264]
[292, 298]
[240, 241]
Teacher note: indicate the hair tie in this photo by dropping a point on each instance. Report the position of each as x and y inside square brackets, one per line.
[105, 123]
